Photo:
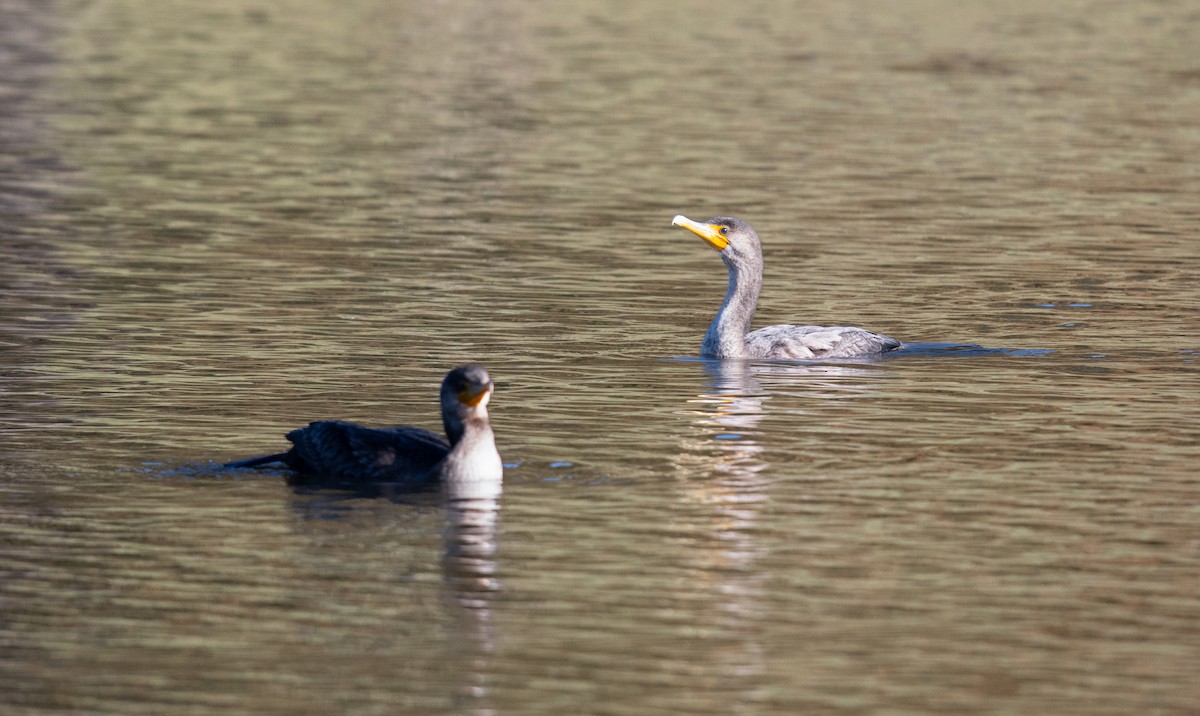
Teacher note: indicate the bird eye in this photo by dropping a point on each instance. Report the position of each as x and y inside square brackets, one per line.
[724, 230]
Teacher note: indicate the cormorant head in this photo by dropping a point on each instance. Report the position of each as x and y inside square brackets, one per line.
[466, 391]
[733, 238]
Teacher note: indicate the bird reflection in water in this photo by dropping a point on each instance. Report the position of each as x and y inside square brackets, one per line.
[470, 581]
[725, 443]
[726, 470]
[470, 519]
[726, 477]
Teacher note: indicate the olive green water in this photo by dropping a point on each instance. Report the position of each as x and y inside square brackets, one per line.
[222, 220]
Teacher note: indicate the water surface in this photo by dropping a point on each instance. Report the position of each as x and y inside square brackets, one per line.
[222, 221]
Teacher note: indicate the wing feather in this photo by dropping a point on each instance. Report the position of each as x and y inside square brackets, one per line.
[349, 453]
[786, 341]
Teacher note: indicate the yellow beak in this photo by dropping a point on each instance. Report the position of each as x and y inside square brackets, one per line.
[709, 232]
[474, 395]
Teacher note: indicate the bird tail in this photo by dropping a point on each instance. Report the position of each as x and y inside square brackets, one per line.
[260, 461]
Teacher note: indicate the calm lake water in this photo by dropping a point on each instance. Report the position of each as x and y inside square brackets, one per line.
[222, 220]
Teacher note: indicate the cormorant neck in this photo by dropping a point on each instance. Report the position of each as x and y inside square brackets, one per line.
[473, 457]
[726, 336]
[453, 425]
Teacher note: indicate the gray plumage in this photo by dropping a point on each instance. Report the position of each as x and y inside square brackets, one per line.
[729, 334]
[800, 342]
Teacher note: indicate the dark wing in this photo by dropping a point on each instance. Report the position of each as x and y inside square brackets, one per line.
[348, 453]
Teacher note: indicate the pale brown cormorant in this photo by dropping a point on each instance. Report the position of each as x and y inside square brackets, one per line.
[729, 333]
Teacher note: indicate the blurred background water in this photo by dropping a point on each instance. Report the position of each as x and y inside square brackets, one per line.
[221, 220]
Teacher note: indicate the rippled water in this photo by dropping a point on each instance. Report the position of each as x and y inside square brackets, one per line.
[221, 220]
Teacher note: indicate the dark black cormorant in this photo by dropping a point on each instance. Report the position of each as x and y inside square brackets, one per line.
[332, 452]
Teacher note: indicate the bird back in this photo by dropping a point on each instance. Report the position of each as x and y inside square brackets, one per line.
[346, 453]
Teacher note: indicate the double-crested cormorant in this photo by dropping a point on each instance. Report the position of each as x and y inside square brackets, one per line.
[331, 452]
[728, 336]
